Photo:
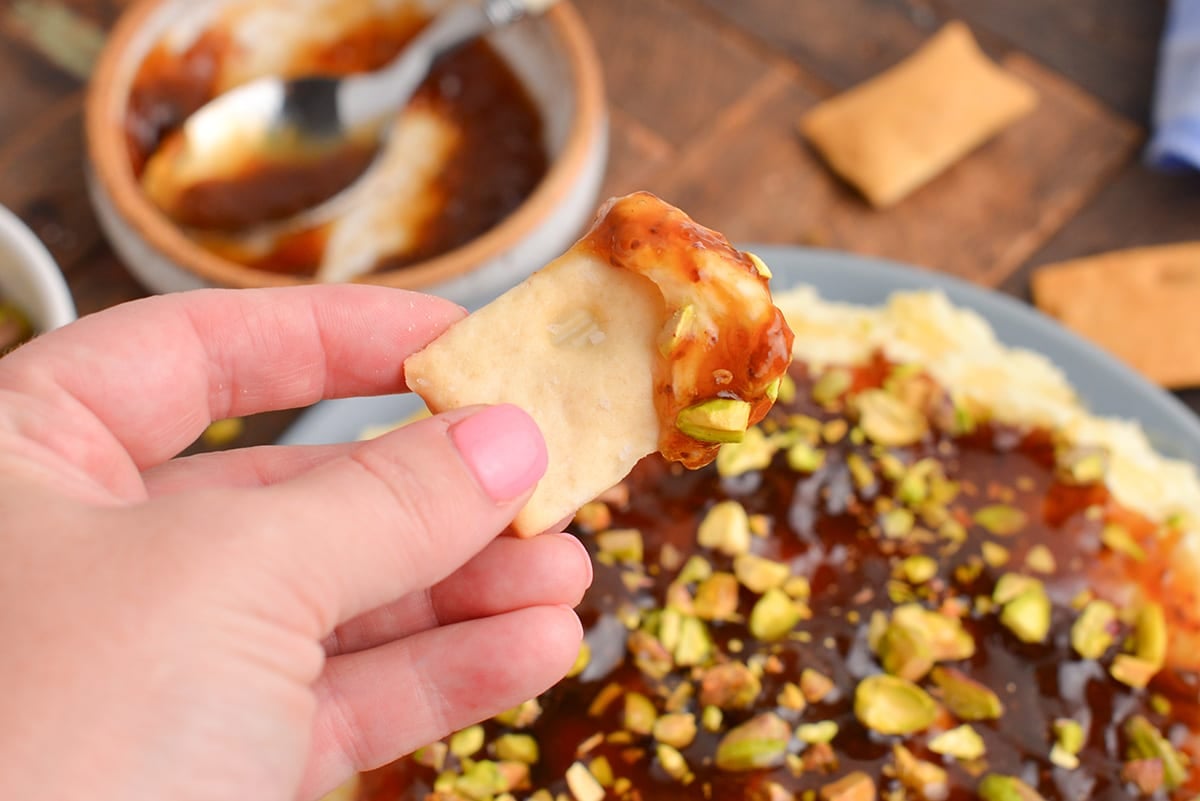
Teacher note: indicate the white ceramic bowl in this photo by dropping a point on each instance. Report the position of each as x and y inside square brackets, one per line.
[552, 56]
[30, 278]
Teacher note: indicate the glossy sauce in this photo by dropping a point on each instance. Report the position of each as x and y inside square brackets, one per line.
[499, 161]
[822, 526]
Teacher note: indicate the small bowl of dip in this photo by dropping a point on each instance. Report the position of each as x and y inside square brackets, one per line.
[34, 297]
[490, 171]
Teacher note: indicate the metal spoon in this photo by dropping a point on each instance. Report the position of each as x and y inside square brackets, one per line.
[322, 133]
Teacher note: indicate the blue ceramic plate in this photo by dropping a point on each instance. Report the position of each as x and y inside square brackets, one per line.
[1107, 386]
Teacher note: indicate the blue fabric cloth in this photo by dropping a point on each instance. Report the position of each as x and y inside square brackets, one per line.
[1175, 144]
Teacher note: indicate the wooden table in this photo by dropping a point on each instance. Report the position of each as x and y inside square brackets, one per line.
[705, 96]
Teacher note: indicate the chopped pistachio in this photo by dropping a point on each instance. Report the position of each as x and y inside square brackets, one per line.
[832, 384]
[1011, 585]
[677, 729]
[1069, 735]
[1028, 616]
[673, 763]
[758, 574]
[773, 791]
[678, 330]
[996, 787]
[759, 265]
[582, 659]
[523, 715]
[774, 615]
[1082, 465]
[787, 389]
[754, 452]
[791, 697]
[1146, 742]
[650, 656]
[432, 756]
[602, 770]
[1147, 775]
[1000, 519]
[798, 587]
[965, 697]
[804, 458]
[731, 685]
[913, 487]
[888, 420]
[715, 420]
[927, 781]
[514, 775]
[891, 705]
[760, 742]
[695, 646]
[582, 784]
[1150, 634]
[905, 651]
[1040, 560]
[961, 742]
[820, 757]
[667, 626]
[594, 516]
[481, 781]
[1160, 704]
[717, 597]
[696, 569]
[833, 431]
[994, 554]
[822, 732]
[815, 685]
[1132, 670]
[726, 528]
[760, 525]
[516, 748]
[640, 713]
[679, 698]
[919, 568]
[1063, 758]
[856, 786]
[711, 718]
[621, 545]
[466, 743]
[1118, 539]
[860, 471]
[897, 523]
[945, 633]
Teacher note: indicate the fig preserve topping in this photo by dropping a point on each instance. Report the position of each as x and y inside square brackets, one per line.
[863, 599]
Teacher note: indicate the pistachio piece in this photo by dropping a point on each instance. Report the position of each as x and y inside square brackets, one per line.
[994, 554]
[787, 389]
[677, 729]
[1082, 466]
[594, 516]
[1132, 670]
[759, 574]
[711, 718]
[731, 685]
[650, 656]
[947, 638]
[678, 330]
[640, 713]
[918, 568]
[481, 781]
[715, 420]
[754, 452]
[888, 421]
[815, 685]
[804, 458]
[860, 471]
[856, 786]
[695, 569]
[582, 659]
[760, 742]
[1150, 634]
[1145, 774]
[791, 697]
[891, 705]
[726, 528]
[1069, 735]
[965, 697]
[1039, 559]
[432, 756]
[961, 742]
[997, 787]
[717, 597]
[1026, 607]
[812, 733]
[622, 545]
[516, 748]
[1000, 519]
[1062, 758]
[582, 784]
[913, 487]
[774, 616]
[521, 716]
[897, 523]
[771, 791]
[466, 743]
[905, 651]
[1092, 633]
[602, 770]
[759, 265]
[798, 587]
[1118, 539]
[513, 776]
[1146, 742]
[832, 384]
[925, 780]
[695, 646]
[673, 763]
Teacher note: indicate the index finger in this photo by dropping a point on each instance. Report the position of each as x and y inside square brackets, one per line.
[156, 372]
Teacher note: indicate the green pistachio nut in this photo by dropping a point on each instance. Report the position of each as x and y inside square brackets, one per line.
[965, 697]
[717, 420]
[774, 616]
[892, 705]
[759, 743]
[1092, 633]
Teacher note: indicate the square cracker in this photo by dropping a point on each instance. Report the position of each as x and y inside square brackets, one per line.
[1139, 304]
[893, 133]
[574, 346]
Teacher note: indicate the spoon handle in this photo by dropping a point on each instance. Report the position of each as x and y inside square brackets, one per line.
[366, 102]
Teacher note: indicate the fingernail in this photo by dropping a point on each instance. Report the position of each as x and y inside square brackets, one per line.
[503, 448]
[584, 556]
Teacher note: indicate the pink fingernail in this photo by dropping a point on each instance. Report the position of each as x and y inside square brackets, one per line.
[504, 450]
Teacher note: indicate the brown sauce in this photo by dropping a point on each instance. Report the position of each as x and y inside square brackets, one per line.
[824, 525]
[499, 161]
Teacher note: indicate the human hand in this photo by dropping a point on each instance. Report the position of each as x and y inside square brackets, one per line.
[256, 624]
